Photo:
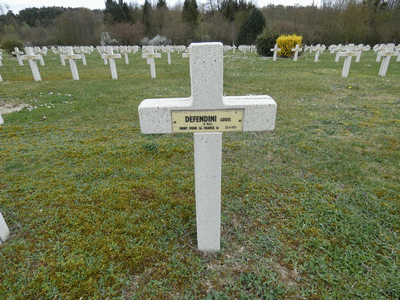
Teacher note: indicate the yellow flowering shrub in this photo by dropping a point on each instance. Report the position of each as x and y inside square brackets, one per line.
[287, 42]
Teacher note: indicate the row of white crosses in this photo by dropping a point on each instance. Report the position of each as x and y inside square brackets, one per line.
[245, 48]
[207, 113]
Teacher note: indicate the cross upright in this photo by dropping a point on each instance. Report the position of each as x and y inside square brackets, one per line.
[207, 113]
[275, 50]
[110, 55]
[125, 50]
[150, 55]
[318, 49]
[386, 55]
[72, 63]
[31, 57]
[347, 61]
[296, 52]
[18, 54]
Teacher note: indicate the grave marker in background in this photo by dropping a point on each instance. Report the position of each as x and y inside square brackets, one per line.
[71, 58]
[111, 56]
[347, 61]
[18, 54]
[150, 55]
[275, 50]
[296, 52]
[207, 113]
[386, 55]
[32, 62]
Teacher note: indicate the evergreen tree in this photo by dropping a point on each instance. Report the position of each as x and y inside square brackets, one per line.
[190, 13]
[251, 27]
[146, 17]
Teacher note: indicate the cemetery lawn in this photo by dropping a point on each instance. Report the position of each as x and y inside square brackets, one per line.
[98, 210]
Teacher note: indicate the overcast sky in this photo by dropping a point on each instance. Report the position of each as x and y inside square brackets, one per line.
[17, 5]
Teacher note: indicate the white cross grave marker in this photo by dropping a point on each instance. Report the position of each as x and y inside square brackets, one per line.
[386, 55]
[318, 49]
[4, 231]
[72, 63]
[296, 52]
[275, 50]
[207, 113]
[125, 50]
[347, 61]
[32, 62]
[111, 56]
[18, 54]
[150, 55]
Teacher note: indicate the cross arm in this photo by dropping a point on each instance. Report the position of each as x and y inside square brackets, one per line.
[259, 112]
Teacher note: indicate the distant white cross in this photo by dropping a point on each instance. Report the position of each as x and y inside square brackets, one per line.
[347, 61]
[386, 55]
[318, 49]
[72, 63]
[150, 55]
[18, 54]
[207, 113]
[296, 52]
[31, 57]
[275, 50]
[111, 56]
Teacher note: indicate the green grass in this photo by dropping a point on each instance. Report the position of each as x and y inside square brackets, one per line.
[310, 210]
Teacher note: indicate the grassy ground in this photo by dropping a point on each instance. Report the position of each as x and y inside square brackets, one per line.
[98, 210]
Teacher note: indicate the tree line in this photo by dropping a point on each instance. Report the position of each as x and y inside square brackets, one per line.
[228, 21]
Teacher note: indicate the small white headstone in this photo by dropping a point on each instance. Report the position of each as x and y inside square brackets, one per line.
[4, 231]
[207, 113]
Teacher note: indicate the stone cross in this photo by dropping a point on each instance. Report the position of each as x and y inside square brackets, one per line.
[38, 51]
[110, 55]
[32, 62]
[318, 49]
[150, 55]
[72, 63]
[275, 50]
[125, 50]
[4, 231]
[347, 61]
[82, 51]
[207, 113]
[18, 54]
[296, 52]
[169, 50]
[386, 54]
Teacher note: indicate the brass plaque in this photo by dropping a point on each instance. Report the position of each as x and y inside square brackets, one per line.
[207, 120]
